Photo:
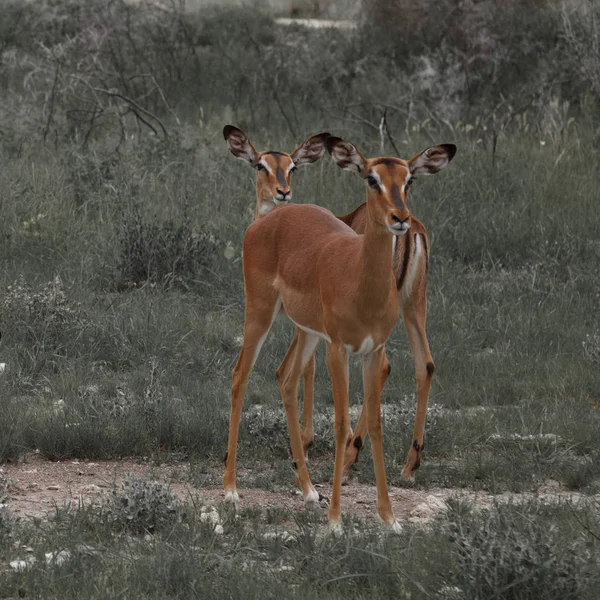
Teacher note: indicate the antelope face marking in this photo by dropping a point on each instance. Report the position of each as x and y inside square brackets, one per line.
[273, 169]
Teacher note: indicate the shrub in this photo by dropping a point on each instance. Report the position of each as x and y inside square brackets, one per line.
[162, 252]
[504, 557]
[42, 324]
[143, 506]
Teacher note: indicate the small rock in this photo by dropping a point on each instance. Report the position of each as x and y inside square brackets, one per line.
[284, 568]
[2, 368]
[57, 558]
[421, 511]
[218, 529]
[550, 486]
[210, 517]
[22, 565]
[90, 489]
[437, 504]
[284, 536]
[53, 487]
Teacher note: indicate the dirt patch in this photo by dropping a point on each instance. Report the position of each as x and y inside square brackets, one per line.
[37, 487]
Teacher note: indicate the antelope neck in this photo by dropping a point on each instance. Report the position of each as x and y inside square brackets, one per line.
[376, 258]
[259, 202]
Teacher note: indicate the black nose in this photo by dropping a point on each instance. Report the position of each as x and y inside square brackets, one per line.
[397, 219]
[283, 194]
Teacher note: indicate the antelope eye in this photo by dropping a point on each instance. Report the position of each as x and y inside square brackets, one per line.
[372, 182]
[260, 167]
[293, 169]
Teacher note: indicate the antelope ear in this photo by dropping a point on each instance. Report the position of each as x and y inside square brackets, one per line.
[239, 144]
[432, 159]
[311, 150]
[347, 155]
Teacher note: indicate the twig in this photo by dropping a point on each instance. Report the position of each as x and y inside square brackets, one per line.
[272, 85]
[136, 107]
[594, 535]
[389, 133]
[52, 97]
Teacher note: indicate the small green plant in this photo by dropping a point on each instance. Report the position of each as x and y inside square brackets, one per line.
[143, 506]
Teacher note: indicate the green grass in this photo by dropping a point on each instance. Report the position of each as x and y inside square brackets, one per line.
[513, 311]
[526, 551]
[121, 304]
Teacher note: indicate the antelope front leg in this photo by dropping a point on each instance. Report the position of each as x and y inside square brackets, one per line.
[288, 375]
[360, 433]
[372, 367]
[255, 332]
[414, 319]
[337, 364]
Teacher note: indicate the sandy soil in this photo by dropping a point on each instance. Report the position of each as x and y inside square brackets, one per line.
[38, 486]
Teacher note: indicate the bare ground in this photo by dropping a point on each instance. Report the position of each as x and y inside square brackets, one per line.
[38, 486]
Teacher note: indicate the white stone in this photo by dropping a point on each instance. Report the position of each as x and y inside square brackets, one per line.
[57, 558]
[210, 517]
[21, 565]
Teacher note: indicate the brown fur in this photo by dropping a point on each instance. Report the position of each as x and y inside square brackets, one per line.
[333, 283]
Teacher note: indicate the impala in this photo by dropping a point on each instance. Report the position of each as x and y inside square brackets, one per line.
[410, 264]
[273, 188]
[273, 169]
[336, 285]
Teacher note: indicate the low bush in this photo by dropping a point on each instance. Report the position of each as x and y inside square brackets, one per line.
[143, 506]
[514, 559]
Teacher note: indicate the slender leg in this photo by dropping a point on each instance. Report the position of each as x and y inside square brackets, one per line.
[256, 328]
[282, 373]
[360, 433]
[414, 320]
[372, 367]
[288, 375]
[308, 434]
[337, 364]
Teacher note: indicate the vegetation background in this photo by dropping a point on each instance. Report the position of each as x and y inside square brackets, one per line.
[121, 298]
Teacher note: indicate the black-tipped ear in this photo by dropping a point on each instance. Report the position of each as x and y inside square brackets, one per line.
[346, 155]
[311, 150]
[432, 159]
[239, 144]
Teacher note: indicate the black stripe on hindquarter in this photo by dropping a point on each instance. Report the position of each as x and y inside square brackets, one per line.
[397, 198]
[405, 260]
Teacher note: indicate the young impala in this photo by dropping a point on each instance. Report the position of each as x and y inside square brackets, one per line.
[334, 285]
[273, 169]
[273, 188]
